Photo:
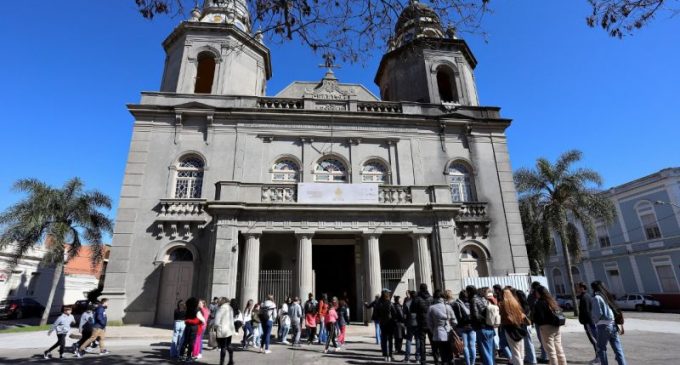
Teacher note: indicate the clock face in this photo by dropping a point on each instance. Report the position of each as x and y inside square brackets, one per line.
[217, 19]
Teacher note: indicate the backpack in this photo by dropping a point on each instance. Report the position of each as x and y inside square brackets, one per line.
[462, 312]
[385, 312]
[493, 317]
[264, 314]
[310, 307]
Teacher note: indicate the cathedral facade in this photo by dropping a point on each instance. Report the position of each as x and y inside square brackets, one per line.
[322, 188]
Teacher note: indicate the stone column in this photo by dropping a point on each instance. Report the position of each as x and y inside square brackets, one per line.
[372, 261]
[303, 265]
[251, 268]
[225, 262]
[422, 260]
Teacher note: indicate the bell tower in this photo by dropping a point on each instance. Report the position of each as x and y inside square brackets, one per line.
[423, 64]
[215, 52]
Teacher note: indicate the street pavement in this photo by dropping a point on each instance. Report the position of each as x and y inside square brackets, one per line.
[650, 339]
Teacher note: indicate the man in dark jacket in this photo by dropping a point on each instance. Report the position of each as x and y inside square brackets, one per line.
[374, 317]
[421, 304]
[411, 325]
[584, 308]
[98, 329]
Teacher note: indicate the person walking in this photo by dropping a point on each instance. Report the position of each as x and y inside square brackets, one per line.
[513, 321]
[62, 326]
[224, 329]
[386, 317]
[545, 319]
[604, 313]
[238, 316]
[441, 321]
[267, 318]
[343, 322]
[310, 317]
[178, 329]
[461, 309]
[374, 316]
[295, 314]
[98, 329]
[193, 318]
[585, 305]
[331, 320]
[85, 326]
[399, 326]
[247, 324]
[529, 350]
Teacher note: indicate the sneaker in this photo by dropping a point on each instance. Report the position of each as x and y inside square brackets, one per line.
[595, 361]
[78, 354]
[285, 342]
[325, 351]
[46, 355]
[199, 356]
[267, 351]
[105, 352]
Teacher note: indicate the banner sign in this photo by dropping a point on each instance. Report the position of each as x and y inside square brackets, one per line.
[328, 193]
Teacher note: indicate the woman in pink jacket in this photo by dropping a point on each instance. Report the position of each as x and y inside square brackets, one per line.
[331, 318]
[198, 345]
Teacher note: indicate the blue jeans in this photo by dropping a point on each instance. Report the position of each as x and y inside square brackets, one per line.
[503, 344]
[247, 332]
[377, 332]
[284, 333]
[266, 334]
[177, 339]
[469, 337]
[529, 350]
[609, 333]
[486, 345]
[410, 335]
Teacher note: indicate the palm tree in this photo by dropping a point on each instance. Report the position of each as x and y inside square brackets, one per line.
[558, 195]
[63, 219]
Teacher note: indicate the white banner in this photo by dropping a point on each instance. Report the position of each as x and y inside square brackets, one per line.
[327, 193]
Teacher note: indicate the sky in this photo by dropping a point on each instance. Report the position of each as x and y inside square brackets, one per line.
[69, 69]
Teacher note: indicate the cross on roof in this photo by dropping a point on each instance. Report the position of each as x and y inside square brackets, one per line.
[329, 61]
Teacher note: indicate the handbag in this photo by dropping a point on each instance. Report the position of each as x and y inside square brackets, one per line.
[457, 345]
[558, 319]
[517, 333]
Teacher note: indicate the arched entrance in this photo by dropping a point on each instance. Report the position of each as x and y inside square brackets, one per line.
[473, 262]
[176, 280]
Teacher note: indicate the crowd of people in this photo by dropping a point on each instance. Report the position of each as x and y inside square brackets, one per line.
[484, 323]
[492, 323]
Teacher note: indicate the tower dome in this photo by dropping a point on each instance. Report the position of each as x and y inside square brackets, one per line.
[226, 11]
[417, 20]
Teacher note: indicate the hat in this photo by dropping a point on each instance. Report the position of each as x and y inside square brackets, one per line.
[385, 290]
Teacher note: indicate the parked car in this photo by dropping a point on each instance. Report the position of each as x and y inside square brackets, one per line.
[638, 302]
[564, 301]
[80, 306]
[20, 308]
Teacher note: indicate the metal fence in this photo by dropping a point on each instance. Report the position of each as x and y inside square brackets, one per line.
[521, 282]
[276, 282]
[390, 279]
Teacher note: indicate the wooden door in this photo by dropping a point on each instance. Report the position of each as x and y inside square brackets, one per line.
[175, 285]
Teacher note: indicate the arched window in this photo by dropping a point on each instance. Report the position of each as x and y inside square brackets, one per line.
[461, 182]
[558, 282]
[205, 73]
[180, 254]
[330, 169]
[446, 85]
[374, 171]
[473, 262]
[285, 170]
[189, 180]
[648, 221]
